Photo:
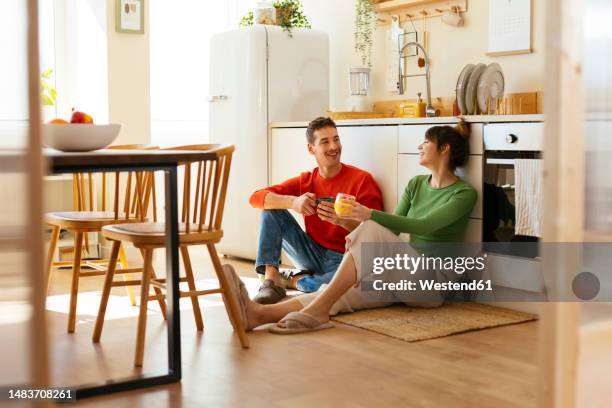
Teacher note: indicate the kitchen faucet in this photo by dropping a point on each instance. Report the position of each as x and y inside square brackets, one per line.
[429, 109]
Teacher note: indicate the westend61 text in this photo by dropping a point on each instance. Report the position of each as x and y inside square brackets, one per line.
[431, 284]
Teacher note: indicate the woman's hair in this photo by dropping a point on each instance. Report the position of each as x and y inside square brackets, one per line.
[456, 137]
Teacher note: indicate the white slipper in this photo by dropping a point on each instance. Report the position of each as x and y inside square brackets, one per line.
[300, 322]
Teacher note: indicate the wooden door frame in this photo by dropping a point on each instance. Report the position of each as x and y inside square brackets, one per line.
[39, 364]
[563, 217]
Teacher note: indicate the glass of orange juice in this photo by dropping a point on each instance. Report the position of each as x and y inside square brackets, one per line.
[344, 203]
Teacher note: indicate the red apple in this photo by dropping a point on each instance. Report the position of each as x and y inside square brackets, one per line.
[80, 117]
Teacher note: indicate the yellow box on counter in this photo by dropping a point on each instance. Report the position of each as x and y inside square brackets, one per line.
[412, 110]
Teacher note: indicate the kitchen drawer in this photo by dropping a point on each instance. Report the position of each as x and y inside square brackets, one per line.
[411, 136]
[408, 166]
[528, 136]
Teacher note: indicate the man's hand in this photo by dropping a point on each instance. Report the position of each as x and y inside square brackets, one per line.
[326, 212]
[304, 204]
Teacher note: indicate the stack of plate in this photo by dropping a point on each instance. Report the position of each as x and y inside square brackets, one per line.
[478, 86]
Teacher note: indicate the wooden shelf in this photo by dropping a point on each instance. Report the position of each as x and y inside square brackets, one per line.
[416, 9]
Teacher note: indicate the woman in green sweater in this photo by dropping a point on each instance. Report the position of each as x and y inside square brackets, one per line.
[433, 208]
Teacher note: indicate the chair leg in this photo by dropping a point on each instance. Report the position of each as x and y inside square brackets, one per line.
[74, 288]
[142, 316]
[126, 276]
[55, 233]
[195, 304]
[108, 280]
[230, 298]
[161, 299]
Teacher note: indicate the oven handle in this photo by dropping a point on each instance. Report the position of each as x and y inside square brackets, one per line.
[500, 161]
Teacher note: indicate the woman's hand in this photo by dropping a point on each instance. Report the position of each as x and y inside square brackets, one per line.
[358, 213]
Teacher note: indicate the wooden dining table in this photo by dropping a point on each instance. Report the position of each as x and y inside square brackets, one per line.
[166, 161]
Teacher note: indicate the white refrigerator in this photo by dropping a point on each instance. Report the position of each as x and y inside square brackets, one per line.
[260, 75]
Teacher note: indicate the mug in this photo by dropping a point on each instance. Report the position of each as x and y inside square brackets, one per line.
[344, 203]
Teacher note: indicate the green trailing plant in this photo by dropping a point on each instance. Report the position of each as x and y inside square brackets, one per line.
[365, 24]
[47, 92]
[247, 19]
[289, 15]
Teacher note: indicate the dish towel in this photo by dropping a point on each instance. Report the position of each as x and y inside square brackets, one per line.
[528, 175]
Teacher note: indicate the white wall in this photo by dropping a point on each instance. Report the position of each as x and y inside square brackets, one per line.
[128, 80]
[81, 58]
[13, 69]
[179, 44]
[451, 48]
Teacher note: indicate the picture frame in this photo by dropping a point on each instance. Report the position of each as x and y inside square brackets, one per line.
[129, 16]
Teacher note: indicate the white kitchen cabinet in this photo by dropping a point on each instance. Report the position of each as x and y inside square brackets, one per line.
[408, 167]
[472, 174]
[411, 136]
[373, 149]
[288, 155]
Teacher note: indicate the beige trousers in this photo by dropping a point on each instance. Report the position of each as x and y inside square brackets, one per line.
[369, 231]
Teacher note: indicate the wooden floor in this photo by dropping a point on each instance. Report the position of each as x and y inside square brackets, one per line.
[341, 367]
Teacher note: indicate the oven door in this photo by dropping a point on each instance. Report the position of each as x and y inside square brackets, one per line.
[499, 213]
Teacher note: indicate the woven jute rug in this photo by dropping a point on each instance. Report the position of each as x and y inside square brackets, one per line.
[416, 324]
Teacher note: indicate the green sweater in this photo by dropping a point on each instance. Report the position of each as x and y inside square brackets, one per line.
[431, 214]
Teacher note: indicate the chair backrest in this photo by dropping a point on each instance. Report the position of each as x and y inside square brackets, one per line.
[135, 198]
[205, 207]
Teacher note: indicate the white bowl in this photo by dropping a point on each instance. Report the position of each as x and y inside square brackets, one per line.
[79, 137]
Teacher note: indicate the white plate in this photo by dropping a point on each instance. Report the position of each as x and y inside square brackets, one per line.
[79, 137]
[472, 86]
[490, 86]
[462, 81]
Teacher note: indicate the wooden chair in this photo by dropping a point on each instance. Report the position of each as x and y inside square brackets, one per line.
[200, 224]
[85, 219]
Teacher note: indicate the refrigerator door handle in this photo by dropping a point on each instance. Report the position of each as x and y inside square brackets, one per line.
[217, 98]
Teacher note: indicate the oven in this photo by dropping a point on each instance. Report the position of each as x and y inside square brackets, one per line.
[503, 143]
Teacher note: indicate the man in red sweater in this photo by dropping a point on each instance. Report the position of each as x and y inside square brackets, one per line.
[320, 248]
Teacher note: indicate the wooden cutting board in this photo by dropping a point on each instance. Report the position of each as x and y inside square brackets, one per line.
[355, 115]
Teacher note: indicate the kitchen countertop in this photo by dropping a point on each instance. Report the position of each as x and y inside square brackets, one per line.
[416, 121]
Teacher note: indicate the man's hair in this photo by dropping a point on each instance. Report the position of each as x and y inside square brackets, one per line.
[316, 124]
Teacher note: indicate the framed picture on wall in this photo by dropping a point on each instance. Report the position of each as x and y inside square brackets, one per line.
[129, 16]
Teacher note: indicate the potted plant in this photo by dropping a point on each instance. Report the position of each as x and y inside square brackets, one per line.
[48, 94]
[289, 15]
[365, 24]
[359, 77]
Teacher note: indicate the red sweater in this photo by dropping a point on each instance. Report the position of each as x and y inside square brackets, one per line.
[350, 180]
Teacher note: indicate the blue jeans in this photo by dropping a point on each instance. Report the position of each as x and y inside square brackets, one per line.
[278, 229]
